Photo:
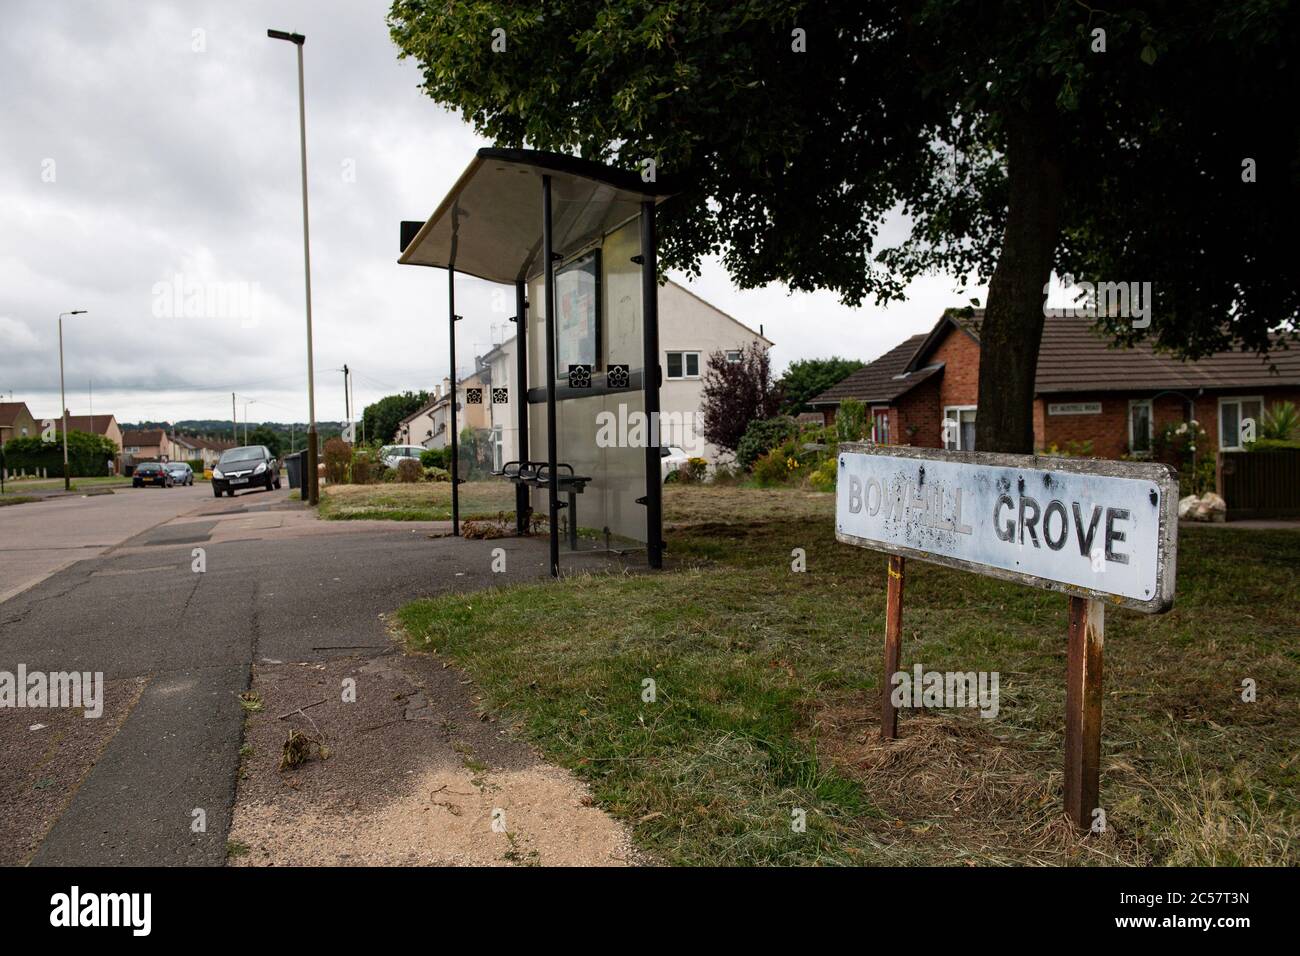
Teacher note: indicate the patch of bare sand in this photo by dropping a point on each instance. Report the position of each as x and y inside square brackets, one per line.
[413, 775]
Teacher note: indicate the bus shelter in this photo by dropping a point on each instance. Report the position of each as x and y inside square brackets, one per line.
[576, 240]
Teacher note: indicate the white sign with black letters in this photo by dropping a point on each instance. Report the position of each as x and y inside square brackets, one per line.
[1092, 528]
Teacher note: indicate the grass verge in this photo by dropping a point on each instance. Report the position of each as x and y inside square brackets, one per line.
[423, 501]
[766, 694]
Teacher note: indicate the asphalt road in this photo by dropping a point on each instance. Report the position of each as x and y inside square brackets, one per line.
[120, 596]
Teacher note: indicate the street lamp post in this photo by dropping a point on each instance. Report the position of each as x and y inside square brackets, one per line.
[313, 481]
[63, 400]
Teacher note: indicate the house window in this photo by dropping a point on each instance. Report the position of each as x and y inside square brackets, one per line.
[880, 426]
[498, 446]
[1139, 427]
[733, 356]
[1233, 415]
[683, 364]
[959, 427]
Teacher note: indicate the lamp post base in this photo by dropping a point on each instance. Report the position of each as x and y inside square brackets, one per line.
[312, 484]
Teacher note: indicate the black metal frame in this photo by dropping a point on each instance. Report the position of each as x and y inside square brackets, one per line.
[650, 381]
[548, 266]
[452, 318]
[523, 507]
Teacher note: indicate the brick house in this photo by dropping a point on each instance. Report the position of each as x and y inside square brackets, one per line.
[1085, 391]
[149, 444]
[16, 421]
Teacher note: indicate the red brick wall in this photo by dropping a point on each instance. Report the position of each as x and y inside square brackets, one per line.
[920, 408]
[960, 384]
[1109, 430]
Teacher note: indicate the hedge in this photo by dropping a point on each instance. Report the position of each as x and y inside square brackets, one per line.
[88, 455]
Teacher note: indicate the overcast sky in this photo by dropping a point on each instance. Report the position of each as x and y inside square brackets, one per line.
[151, 146]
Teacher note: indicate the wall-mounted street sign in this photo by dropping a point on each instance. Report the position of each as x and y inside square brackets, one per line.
[1074, 408]
[1103, 532]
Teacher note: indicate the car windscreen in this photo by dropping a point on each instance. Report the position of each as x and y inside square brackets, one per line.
[241, 454]
[144, 468]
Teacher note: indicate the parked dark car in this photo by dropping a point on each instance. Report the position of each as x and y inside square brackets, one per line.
[181, 472]
[151, 473]
[252, 466]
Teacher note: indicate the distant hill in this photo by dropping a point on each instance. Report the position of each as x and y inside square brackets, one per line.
[294, 433]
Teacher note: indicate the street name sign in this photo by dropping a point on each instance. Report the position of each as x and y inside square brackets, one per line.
[1102, 532]
[1096, 529]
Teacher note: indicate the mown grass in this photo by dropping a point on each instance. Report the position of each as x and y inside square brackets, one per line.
[422, 501]
[767, 694]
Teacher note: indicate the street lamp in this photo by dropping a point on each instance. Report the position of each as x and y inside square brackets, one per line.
[247, 402]
[313, 483]
[63, 400]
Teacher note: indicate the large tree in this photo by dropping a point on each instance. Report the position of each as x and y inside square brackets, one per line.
[1014, 138]
[733, 394]
[804, 379]
[382, 418]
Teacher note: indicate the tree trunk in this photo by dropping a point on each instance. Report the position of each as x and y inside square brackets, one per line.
[1013, 318]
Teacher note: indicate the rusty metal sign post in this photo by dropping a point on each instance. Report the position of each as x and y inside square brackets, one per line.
[1101, 532]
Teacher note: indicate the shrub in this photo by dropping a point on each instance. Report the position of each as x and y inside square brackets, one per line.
[824, 475]
[695, 470]
[1280, 422]
[775, 468]
[761, 437]
[362, 469]
[1071, 449]
[851, 421]
[1273, 444]
[437, 474]
[409, 470]
[88, 455]
[196, 465]
[435, 458]
[338, 456]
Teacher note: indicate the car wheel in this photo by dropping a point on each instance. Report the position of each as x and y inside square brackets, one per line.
[216, 492]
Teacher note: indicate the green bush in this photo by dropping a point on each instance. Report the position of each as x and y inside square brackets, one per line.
[362, 469]
[338, 456]
[823, 477]
[196, 466]
[762, 436]
[437, 474]
[851, 421]
[88, 455]
[1273, 444]
[436, 458]
[776, 468]
[1281, 422]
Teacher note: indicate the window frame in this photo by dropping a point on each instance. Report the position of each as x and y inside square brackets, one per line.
[1151, 426]
[1237, 400]
[957, 418]
[685, 375]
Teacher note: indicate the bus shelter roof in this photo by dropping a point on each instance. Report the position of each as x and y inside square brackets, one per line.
[490, 224]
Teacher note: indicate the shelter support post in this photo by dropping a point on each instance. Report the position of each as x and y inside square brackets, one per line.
[1083, 709]
[553, 478]
[650, 384]
[451, 404]
[893, 645]
[522, 507]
